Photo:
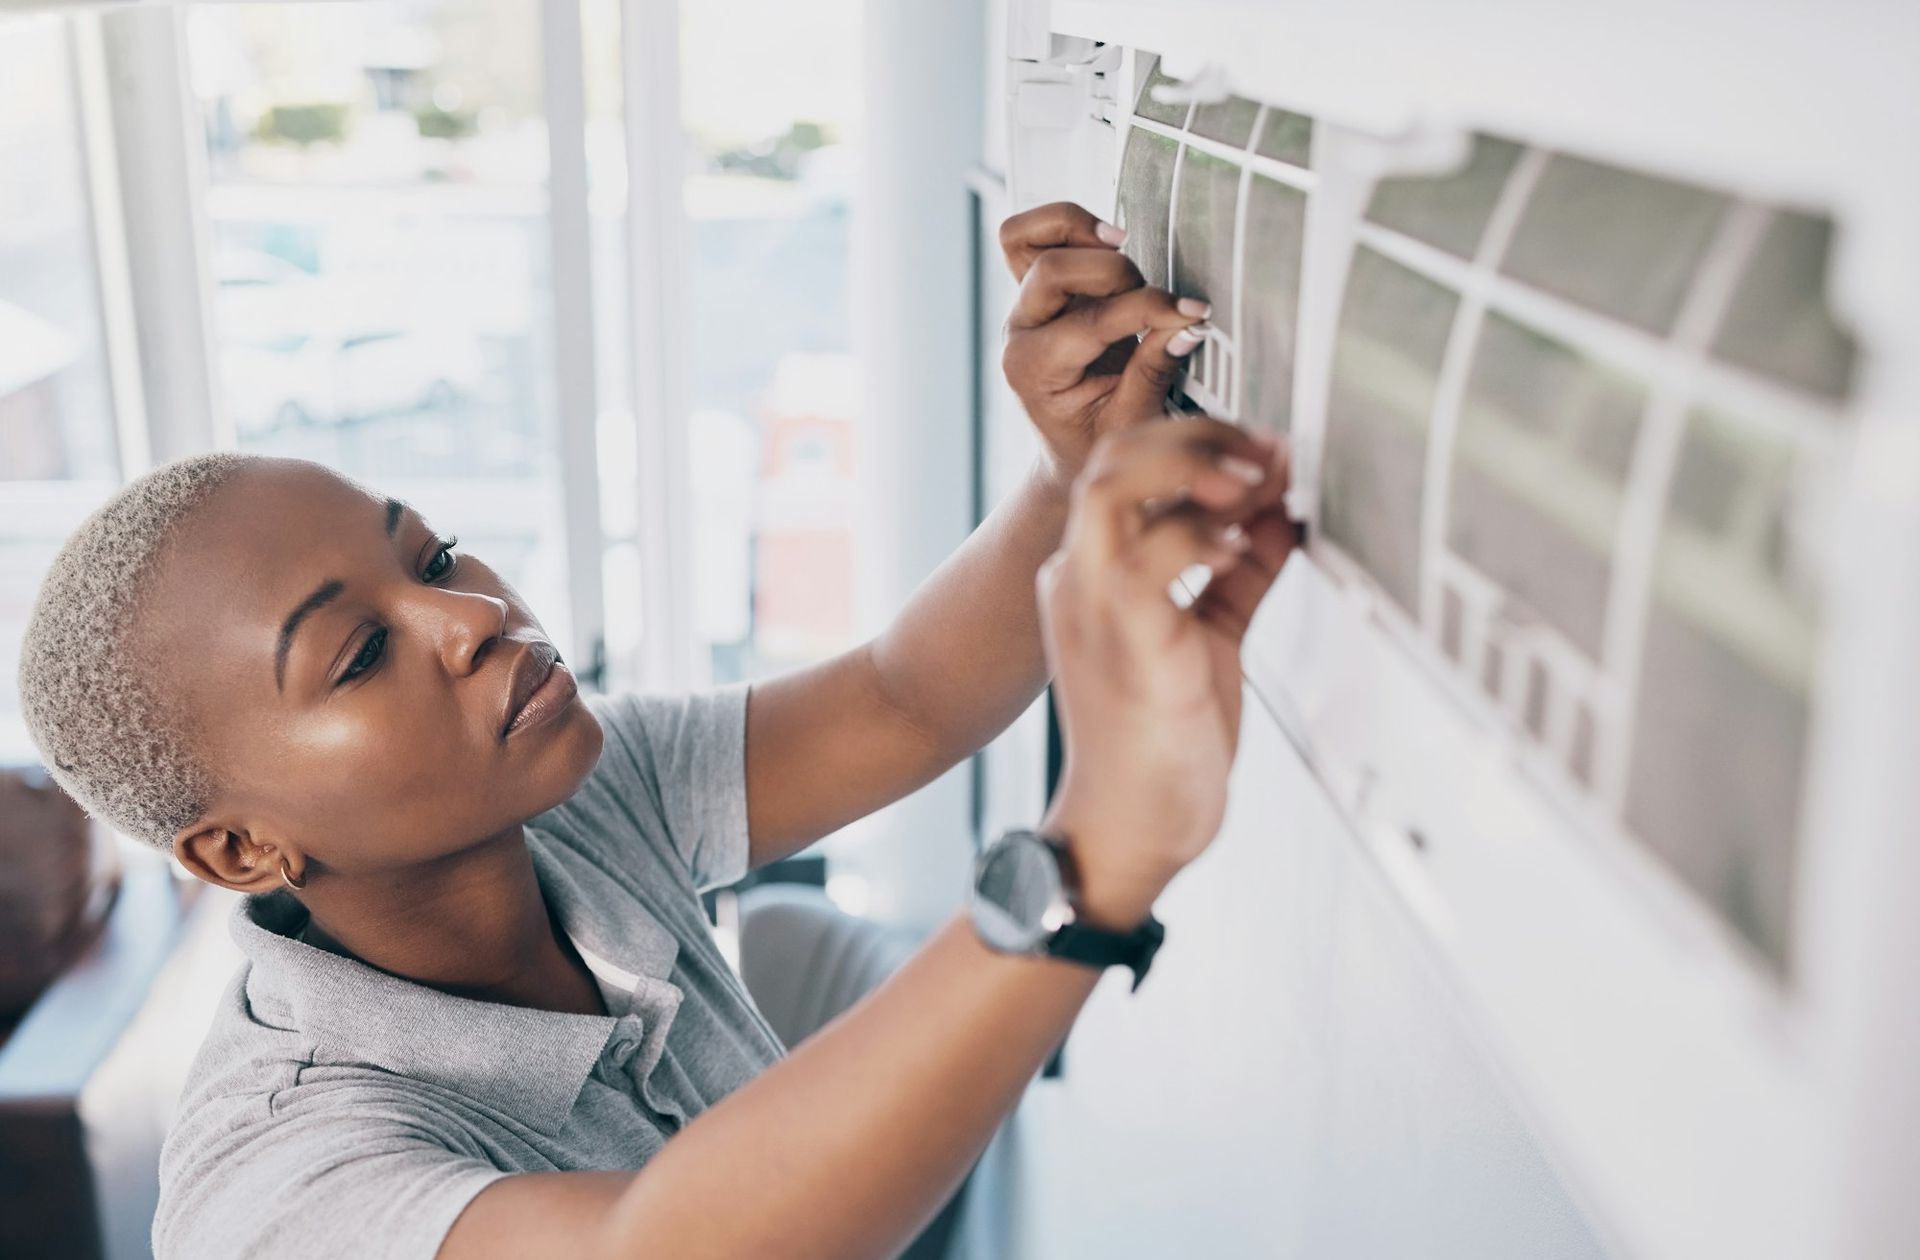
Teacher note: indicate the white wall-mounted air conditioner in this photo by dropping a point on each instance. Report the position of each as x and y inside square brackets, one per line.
[1592, 328]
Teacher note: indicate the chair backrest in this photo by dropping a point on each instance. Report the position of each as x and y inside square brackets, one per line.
[89, 1077]
[804, 961]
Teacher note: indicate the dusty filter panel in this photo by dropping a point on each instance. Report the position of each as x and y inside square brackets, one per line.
[1580, 424]
[1213, 197]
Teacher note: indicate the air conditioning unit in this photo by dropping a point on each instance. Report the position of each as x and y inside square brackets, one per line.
[1592, 329]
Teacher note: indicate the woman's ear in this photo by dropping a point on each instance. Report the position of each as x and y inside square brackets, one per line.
[231, 857]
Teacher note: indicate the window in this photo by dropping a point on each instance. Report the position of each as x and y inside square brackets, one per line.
[59, 453]
[56, 409]
[772, 129]
[382, 300]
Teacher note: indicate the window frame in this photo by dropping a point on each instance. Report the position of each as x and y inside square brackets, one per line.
[47, 510]
[142, 130]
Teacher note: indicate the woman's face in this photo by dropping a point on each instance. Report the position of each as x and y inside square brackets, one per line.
[352, 676]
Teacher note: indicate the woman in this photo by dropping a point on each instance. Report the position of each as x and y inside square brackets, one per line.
[480, 992]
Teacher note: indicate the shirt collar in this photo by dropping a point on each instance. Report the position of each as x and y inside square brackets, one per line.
[599, 911]
[529, 1063]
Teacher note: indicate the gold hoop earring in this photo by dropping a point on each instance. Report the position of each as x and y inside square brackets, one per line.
[286, 877]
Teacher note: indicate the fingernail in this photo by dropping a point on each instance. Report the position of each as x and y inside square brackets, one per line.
[1193, 308]
[1243, 469]
[1235, 537]
[1182, 342]
[1109, 233]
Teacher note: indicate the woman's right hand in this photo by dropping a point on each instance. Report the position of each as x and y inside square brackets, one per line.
[1148, 692]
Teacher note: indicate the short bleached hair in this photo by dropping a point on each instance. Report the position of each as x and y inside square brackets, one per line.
[108, 734]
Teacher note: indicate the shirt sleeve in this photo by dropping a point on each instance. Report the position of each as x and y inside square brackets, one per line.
[684, 756]
[239, 1180]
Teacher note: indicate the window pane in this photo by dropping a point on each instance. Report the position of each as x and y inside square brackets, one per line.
[1450, 211]
[1540, 465]
[1394, 325]
[773, 134]
[1622, 243]
[1276, 228]
[58, 443]
[1721, 723]
[1146, 200]
[382, 302]
[1778, 323]
[56, 413]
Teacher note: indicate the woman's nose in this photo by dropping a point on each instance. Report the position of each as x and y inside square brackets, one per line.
[466, 625]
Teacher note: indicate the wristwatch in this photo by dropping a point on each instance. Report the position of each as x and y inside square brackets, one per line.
[1025, 892]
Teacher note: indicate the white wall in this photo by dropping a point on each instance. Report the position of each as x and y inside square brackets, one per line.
[912, 328]
[1293, 1080]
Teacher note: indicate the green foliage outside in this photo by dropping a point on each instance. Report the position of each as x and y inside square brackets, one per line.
[303, 124]
[777, 157]
[444, 124]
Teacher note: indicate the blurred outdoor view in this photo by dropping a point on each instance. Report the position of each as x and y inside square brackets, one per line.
[772, 132]
[381, 298]
[58, 448]
[377, 190]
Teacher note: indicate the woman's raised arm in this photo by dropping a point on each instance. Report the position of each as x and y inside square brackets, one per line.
[847, 1147]
[963, 658]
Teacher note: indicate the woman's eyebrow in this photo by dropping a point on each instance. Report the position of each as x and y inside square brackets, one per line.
[321, 597]
[324, 594]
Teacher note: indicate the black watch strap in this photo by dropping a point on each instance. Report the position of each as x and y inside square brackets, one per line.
[1097, 947]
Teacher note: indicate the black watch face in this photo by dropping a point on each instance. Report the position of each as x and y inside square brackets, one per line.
[1017, 883]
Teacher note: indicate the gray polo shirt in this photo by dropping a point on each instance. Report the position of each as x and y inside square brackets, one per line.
[335, 1110]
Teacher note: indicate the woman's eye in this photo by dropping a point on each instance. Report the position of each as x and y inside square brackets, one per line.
[370, 652]
[367, 657]
[442, 562]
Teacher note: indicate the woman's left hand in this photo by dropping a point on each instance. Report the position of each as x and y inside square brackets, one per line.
[1090, 347]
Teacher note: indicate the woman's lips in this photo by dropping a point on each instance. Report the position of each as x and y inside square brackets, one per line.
[547, 699]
